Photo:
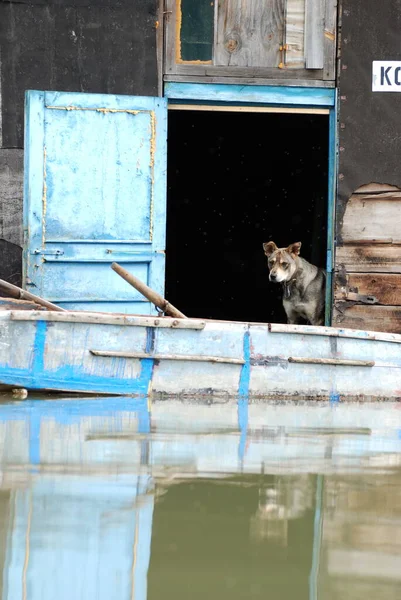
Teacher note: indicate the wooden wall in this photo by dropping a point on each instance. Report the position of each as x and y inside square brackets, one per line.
[361, 535]
[252, 41]
[105, 46]
[367, 278]
[368, 262]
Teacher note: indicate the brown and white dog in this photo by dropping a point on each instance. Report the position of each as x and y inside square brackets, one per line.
[303, 283]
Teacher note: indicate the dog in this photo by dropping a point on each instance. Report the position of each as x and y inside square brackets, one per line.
[303, 284]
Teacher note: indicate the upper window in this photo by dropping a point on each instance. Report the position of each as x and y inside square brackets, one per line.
[268, 39]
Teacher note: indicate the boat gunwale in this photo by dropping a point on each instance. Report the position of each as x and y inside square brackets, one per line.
[121, 319]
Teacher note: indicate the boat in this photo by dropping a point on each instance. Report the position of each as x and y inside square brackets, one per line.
[162, 356]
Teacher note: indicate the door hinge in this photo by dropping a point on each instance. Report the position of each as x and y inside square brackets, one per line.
[48, 252]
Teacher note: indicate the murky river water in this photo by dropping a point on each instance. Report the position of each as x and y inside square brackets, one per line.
[116, 499]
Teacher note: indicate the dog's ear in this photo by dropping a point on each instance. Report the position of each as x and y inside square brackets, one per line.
[269, 248]
[294, 248]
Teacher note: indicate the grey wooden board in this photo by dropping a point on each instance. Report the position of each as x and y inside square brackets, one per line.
[375, 318]
[234, 71]
[294, 34]
[369, 258]
[249, 80]
[330, 39]
[249, 34]
[314, 33]
[373, 218]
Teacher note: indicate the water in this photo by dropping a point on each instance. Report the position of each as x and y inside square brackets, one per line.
[116, 499]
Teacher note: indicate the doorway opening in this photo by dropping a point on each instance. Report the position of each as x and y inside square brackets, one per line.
[236, 180]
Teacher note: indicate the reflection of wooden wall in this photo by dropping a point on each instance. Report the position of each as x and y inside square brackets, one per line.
[368, 261]
[361, 544]
[4, 529]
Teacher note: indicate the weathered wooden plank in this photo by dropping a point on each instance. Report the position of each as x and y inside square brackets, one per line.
[314, 34]
[310, 83]
[385, 287]
[330, 39]
[376, 188]
[372, 217]
[146, 291]
[109, 319]
[294, 34]
[14, 304]
[369, 258]
[331, 361]
[373, 318]
[244, 71]
[160, 29]
[183, 357]
[250, 109]
[170, 24]
[331, 332]
[249, 34]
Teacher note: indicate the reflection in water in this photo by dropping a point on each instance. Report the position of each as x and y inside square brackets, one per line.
[107, 499]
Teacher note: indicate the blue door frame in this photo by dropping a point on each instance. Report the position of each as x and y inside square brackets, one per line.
[314, 99]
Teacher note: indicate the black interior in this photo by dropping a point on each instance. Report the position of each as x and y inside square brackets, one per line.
[236, 180]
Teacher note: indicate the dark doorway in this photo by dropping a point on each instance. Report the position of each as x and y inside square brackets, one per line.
[236, 180]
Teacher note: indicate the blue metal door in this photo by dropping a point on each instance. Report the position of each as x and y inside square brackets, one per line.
[95, 193]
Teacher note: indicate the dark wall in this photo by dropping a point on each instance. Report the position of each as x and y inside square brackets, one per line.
[367, 278]
[106, 46]
[370, 123]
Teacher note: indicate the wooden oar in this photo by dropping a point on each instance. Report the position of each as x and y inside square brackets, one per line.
[150, 294]
[20, 294]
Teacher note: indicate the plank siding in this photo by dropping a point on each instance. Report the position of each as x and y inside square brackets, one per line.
[249, 34]
[368, 261]
[369, 258]
[373, 217]
[294, 39]
[330, 39]
[294, 34]
[314, 33]
[371, 318]
[385, 287]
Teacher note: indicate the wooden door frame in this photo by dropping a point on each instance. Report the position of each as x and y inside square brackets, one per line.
[273, 99]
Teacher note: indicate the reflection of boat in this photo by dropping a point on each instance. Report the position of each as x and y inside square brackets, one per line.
[85, 511]
[93, 488]
[140, 355]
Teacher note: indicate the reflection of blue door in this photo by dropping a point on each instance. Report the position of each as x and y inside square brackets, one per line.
[81, 537]
[82, 530]
[95, 192]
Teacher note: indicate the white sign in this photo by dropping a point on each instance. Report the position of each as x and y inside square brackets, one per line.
[386, 76]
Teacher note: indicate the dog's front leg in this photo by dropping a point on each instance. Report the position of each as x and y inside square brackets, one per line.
[292, 316]
[319, 321]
